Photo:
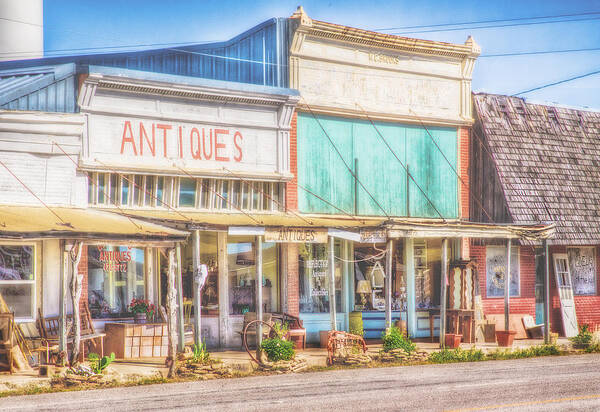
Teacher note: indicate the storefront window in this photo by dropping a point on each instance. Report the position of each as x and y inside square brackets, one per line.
[17, 279]
[428, 272]
[208, 257]
[115, 276]
[313, 261]
[242, 275]
[495, 264]
[582, 262]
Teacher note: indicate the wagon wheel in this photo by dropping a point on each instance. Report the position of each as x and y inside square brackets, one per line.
[253, 324]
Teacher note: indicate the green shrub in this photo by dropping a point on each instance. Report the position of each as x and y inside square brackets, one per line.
[583, 339]
[531, 352]
[98, 365]
[593, 348]
[457, 355]
[395, 339]
[278, 349]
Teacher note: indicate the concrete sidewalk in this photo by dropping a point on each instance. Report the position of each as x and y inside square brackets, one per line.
[237, 360]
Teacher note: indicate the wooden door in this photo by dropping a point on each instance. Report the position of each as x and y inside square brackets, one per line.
[562, 275]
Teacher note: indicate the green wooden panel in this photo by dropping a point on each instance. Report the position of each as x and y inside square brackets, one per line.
[378, 169]
[321, 170]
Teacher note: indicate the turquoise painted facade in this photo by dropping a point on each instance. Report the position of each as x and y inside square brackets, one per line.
[322, 171]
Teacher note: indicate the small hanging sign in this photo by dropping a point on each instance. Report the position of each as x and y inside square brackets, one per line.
[295, 235]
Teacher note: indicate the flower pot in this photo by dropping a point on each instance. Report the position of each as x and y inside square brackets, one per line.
[452, 340]
[505, 337]
[139, 317]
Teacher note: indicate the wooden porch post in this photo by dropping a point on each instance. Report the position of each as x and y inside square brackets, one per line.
[178, 285]
[332, 305]
[62, 315]
[388, 284]
[259, 291]
[546, 292]
[76, 287]
[409, 262]
[197, 290]
[507, 287]
[443, 289]
[171, 315]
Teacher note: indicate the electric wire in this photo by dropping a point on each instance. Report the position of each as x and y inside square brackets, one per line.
[581, 76]
[401, 163]
[63, 222]
[329, 203]
[344, 161]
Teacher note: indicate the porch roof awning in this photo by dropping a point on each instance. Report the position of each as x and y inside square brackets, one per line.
[460, 229]
[29, 222]
[290, 219]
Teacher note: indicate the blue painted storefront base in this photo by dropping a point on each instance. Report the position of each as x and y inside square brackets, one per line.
[374, 324]
[315, 322]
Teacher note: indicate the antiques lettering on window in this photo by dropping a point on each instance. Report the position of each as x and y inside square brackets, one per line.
[114, 260]
[582, 262]
[496, 269]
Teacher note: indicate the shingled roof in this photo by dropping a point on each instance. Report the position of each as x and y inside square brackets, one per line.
[547, 160]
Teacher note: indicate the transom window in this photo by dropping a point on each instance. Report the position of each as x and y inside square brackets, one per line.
[108, 189]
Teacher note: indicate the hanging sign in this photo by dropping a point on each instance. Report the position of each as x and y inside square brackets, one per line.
[295, 235]
[373, 236]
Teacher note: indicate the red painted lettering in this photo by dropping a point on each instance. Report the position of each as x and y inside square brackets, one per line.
[164, 128]
[204, 145]
[196, 154]
[180, 143]
[143, 135]
[238, 157]
[126, 127]
[220, 145]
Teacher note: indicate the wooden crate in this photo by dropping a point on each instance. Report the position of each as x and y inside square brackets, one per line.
[128, 340]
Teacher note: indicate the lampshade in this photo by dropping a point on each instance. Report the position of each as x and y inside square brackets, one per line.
[363, 286]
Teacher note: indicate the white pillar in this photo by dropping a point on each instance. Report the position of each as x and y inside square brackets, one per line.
[259, 290]
[388, 284]
[197, 291]
[332, 313]
[62, 314]
[443, 290]
[507, 288]
[411, 310]
[223, 288]
[180, 321]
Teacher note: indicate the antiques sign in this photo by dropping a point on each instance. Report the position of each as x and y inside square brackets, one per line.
[295, 235]
[373, 236]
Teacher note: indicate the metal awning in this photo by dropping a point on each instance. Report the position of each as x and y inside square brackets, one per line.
[31, 222]
[461, 229]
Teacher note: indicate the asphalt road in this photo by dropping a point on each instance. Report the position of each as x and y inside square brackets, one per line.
[550, 383]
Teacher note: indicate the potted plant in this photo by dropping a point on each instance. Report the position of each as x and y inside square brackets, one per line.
[452, 340]
[142, 310]
[505, 337]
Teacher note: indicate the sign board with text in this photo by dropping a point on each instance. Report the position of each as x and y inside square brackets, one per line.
[295, 235]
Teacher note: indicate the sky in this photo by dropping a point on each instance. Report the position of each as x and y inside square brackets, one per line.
[76, 24]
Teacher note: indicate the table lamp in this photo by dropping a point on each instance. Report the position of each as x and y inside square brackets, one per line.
[363, 288]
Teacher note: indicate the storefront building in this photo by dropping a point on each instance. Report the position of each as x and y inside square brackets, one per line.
[538, 163]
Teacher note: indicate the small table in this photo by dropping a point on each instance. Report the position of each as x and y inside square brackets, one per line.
[458, 319]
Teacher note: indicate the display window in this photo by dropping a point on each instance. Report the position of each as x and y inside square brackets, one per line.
[116, 275]
[582, 262]
[17, 279]
[241, 259]
[313, 268]
[495, 264]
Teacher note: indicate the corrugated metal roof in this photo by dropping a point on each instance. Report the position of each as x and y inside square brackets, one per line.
[26, 222]
[44, 88]
[258, 56]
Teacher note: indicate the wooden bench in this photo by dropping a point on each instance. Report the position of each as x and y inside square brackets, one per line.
[50, 330]
[296, 331]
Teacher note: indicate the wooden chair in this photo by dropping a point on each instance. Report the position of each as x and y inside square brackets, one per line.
[533, 331]
[35, 343]
[296, 331]
[7, 341]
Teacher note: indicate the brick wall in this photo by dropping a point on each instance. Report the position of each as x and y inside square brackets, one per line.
[82, 269]
[463, 171]
[291, 192]
[525, 303]
[293, 291]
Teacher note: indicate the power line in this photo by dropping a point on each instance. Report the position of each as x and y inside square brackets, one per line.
[489, 21]
[21, 21]
[344, 161]
[558, 82]
[329, 203]
[402, 164]
[539, 52]
[496, 26]
[37, 197]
